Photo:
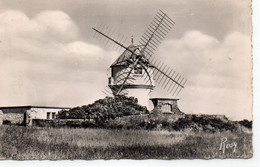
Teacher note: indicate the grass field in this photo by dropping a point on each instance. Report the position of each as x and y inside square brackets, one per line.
[22, 143]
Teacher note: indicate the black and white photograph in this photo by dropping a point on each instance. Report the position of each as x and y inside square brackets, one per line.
[136, 80]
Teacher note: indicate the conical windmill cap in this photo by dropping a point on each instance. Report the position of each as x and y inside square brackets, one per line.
[121, 60]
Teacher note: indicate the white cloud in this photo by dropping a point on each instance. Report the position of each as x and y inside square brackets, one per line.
[218, 73]
[56, 24]
[81, 48]
[44, 61]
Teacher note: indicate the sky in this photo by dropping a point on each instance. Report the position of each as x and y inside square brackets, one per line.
[50, 56]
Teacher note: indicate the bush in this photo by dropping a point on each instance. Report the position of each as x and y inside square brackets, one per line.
[207, 123]
[246, 123]
[7, 122]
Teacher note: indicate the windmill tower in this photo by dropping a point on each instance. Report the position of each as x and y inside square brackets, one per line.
[127, 75]
[137, 70]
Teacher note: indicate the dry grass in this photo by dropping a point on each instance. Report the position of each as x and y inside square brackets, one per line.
[64, 143]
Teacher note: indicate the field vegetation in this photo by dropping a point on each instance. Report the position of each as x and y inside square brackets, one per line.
[23, 143]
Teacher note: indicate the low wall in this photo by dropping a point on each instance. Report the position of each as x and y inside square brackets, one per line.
[1, 117]
[63, 123]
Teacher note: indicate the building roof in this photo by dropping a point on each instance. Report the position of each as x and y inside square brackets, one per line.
[122, 59]
[172, 99]
[29, 107]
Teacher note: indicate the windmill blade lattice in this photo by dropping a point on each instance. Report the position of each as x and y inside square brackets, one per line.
[152, 38]
[155, 33]
[166, 77]
[106, 34]
[143, 55]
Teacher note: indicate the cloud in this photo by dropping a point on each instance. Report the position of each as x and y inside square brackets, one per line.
[56, 24]
[44, 61]
[218, 73]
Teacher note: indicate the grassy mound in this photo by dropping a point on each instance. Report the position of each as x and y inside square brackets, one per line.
[105, 109]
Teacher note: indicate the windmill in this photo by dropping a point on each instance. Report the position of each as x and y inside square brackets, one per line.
[137, 70]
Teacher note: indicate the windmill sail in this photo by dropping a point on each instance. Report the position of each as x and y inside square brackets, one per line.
[142, 56]
[152, 38]
[156, 32]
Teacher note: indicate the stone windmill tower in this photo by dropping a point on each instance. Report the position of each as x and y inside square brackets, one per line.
[137, 71]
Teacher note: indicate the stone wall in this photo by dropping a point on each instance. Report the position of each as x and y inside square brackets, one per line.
[14, 118]
[166, 106]
[14, 115]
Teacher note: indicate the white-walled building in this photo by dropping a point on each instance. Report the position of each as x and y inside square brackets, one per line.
[25, 114]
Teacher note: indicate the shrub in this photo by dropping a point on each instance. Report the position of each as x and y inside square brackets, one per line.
[246, 123]
[7, 122]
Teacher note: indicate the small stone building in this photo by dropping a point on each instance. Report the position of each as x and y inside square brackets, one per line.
[166, 106]
[23, 115]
